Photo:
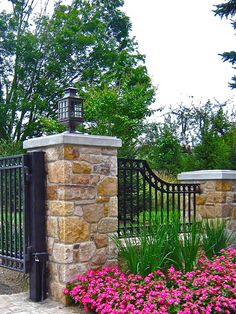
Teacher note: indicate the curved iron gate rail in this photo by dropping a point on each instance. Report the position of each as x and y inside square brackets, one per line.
[143, 197]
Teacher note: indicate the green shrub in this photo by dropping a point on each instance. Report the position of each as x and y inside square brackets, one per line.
[10, 148]
[215, 237]
[158, 246]
[184, 241]
[145, 252]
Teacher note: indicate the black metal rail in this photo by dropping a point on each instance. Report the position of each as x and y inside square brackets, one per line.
[143, 198]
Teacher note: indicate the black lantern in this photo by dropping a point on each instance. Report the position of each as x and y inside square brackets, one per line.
[70, 109]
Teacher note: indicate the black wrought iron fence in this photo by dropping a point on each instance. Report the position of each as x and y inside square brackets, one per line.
[22, 219]
[144, 198]
[12, 212]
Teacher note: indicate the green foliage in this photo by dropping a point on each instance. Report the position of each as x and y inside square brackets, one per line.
[11, 230]
[146, 252]
[191, 138]
[10, 148]
[213, 150]
[212, 153]
[50, 126]
[177, 243]
[120, 110]
[228, 10]
[88, 44]
[230, 140]
[184, 247]
[159, 246]
[161, 148]
[215, 237]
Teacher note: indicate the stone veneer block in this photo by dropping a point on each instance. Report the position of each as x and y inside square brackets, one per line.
[63, 253]
[86, 251]
[60, 208]
[107, 225]
[59, 172]
[93, 212]
[73, 230]
[101, 240]
[81, 167]
[81, 198]
[71, 152]
[108, 187]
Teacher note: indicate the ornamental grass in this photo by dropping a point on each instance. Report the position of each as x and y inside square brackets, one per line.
[159, 246]
[209, 288]
[177, 243]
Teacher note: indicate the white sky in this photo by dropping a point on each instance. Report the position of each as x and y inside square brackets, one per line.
[181, 40]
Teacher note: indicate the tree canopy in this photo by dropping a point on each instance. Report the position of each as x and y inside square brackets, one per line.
[228, 10]
[87, 44]
[201, 136]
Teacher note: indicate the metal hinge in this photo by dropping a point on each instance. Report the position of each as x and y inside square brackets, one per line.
[40, 257]
[37, 257]
[28, 254]
[27, 173]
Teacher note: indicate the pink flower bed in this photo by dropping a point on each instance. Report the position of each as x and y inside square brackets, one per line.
[211, 288]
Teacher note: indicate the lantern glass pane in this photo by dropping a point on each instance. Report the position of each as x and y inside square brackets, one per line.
[63, 109]
[60, 110]
[78, 109]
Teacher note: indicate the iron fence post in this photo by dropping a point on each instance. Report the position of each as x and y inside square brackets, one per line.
[37, 270]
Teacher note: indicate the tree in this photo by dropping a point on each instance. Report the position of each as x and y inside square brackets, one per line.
[120, 110]
[211, 153]
[10, 148]
[191, 138]
[88, 44]
[192, 122]
[161, 148]
[230, 138]
[228, 10]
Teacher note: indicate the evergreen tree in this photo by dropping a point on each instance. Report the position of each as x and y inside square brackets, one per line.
[228, 10]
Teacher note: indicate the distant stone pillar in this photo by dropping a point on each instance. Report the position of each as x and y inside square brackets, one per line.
[81, 204]
[218, 194]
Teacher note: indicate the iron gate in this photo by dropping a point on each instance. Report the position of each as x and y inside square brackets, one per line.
[143, 197]
[22, 218]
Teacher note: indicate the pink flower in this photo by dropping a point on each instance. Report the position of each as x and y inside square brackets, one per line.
[208, 289]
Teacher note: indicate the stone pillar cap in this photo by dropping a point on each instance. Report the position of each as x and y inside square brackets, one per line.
[74, 139]
[207, 175]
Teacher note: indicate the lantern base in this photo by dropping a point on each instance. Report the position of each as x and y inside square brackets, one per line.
[72, 132]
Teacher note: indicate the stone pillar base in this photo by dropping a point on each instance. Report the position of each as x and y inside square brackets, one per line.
[218, 194]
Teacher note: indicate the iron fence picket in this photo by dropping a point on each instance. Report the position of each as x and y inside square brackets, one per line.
[142, 195]
[11, 213]
[22, 219]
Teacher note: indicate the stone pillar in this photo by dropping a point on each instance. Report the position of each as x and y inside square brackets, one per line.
[217, 198]
[81, 204]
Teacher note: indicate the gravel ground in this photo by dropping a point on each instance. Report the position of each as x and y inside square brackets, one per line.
[12, 281]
